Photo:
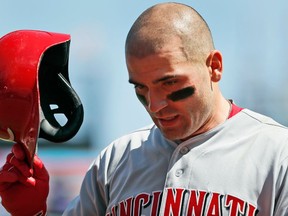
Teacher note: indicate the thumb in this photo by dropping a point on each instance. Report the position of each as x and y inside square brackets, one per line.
[18, 151]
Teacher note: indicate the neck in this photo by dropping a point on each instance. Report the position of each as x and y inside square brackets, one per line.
[221, 111]
[219, 115]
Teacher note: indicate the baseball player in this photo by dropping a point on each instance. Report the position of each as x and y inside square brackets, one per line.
[203, 155]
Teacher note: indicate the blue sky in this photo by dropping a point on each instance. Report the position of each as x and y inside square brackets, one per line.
[252, 36]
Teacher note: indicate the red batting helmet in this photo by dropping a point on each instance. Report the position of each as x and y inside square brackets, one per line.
[33, 81]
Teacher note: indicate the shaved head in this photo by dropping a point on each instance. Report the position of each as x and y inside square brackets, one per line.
[164, 22]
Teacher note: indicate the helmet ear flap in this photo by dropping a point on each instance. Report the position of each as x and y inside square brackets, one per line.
[57, 96]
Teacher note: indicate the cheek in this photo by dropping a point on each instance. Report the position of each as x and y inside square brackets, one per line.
[182, 94]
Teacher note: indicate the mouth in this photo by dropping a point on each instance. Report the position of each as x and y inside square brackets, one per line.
[168, 121]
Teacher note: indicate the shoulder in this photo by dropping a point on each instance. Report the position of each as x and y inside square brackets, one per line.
[268, 134]
[264, 121]
[259, 131]
[122, 146]
[249, 122]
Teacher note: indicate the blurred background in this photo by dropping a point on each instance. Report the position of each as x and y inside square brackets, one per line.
[252, 35]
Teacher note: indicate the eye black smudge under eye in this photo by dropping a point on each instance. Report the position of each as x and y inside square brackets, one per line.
[181, 94]
[142, 99]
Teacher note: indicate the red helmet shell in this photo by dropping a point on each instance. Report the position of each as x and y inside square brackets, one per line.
[20, 56]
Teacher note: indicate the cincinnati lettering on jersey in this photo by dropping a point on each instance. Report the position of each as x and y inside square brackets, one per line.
[199, 203]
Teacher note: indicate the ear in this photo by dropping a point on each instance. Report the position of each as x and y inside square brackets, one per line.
[214, 63]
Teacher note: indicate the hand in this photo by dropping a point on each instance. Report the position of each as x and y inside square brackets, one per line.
[23, 190]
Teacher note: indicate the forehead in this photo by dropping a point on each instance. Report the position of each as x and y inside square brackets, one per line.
[154, 61]
[159, 65]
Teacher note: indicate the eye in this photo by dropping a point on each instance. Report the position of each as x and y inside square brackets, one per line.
[140, 89]
[138, 86]
[170, 82]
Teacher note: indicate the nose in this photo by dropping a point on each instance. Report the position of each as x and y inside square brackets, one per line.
[156, 102]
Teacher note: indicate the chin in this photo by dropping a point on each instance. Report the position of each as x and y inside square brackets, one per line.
[177, 135]
[172, 135]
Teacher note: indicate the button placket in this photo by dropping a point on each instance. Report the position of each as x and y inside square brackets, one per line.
[178, 170]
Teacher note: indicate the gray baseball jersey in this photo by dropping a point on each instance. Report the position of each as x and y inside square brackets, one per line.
[238, 168]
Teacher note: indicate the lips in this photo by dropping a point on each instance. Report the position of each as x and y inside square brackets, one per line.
[168, 121]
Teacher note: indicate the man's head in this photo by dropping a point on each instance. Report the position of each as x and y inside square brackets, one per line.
[156, 26]
[172, 62]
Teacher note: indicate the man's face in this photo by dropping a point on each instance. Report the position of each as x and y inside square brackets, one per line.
[175, 92]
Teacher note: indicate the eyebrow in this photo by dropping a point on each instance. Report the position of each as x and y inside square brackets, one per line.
[155, 81]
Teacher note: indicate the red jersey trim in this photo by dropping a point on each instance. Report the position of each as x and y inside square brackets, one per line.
[234, 110]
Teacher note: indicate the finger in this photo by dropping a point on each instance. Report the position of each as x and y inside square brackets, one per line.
[8, 157]
[13, 175]
[23, 168]
[28, 181]
[8, 176]
[4, 186]
[40, 172]
[6, 166]
[18, 151]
